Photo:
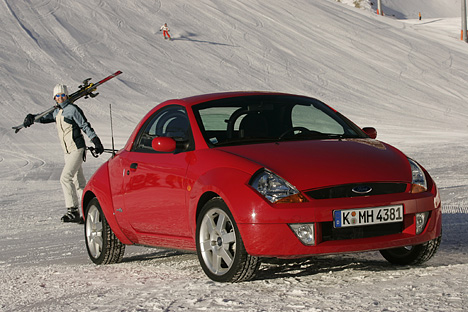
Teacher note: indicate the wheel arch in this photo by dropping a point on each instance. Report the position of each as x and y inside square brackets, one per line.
[216, 184]
[87, 197]
[99, 187]
[206, 197]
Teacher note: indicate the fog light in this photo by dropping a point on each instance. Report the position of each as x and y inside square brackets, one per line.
[421, 220]
[305, 232]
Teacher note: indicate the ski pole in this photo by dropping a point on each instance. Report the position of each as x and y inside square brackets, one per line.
[96, 155]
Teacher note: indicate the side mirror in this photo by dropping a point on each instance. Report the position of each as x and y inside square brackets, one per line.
[371, 132]
[164, 144]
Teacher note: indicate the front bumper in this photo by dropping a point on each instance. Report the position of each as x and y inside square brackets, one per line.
[274, 238]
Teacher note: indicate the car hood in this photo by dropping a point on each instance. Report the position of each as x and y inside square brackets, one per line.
[314, 164]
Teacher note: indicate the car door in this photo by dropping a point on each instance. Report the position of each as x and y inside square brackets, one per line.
[155, 182]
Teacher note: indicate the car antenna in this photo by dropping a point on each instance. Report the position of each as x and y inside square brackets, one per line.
[112, 130]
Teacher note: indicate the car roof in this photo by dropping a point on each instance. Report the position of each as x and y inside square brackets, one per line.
[193, 100]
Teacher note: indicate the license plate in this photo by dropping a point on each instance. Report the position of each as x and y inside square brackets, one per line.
[367, 216]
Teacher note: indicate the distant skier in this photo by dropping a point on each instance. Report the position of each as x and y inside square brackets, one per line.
[419, 15]
[70, 121]
[165, 29]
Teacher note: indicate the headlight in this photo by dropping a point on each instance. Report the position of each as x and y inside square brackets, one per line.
[275, 188]
[419, 183]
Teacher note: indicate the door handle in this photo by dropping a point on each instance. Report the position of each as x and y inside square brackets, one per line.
[133, 167]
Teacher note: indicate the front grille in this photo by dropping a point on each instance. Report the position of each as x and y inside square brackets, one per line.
[329, 233]
[346, 191]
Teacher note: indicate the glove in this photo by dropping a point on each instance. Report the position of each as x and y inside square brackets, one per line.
[29, 120]
[98, 148]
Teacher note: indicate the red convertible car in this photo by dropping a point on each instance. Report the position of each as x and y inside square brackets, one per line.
[242, 176]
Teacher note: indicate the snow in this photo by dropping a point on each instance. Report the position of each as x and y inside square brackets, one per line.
[403, 76]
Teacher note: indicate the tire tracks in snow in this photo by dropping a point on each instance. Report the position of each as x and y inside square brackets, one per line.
[15, 163]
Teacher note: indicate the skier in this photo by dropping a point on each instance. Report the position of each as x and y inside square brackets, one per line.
[70, 121]
[165, 30]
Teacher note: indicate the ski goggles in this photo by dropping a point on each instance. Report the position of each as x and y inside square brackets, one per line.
[60, 95]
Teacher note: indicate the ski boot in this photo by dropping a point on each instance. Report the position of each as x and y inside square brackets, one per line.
[72, 216]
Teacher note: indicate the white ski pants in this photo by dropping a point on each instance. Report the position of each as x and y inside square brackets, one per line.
[72, 178]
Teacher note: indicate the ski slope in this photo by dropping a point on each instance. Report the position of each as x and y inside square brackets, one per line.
[405, 77]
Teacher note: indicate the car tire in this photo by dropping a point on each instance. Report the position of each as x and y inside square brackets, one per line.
[220, 249]
[412, 255]
[102, 244]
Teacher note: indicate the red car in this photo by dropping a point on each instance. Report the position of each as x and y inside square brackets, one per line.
[241, 176]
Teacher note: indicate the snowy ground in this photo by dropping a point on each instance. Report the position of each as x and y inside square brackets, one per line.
[405, 77]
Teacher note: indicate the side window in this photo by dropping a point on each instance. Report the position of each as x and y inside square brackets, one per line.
[168, 122]
[214, 122]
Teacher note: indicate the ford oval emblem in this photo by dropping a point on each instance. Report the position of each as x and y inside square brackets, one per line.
[362, 189]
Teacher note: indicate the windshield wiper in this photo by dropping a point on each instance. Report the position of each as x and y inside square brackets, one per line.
[317, 136]
[245, 141]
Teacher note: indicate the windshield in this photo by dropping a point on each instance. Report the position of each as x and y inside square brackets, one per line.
[271, 118]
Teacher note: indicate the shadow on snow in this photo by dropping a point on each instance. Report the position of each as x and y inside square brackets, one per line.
[189, 37]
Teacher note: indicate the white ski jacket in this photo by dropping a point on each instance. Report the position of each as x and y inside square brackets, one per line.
[70, 120]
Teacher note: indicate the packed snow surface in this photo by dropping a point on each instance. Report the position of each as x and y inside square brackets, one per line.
[407, 78]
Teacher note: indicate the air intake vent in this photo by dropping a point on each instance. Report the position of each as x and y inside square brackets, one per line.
[355, 190]
[329, 233]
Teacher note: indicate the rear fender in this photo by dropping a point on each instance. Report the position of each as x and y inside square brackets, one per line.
[99, 187]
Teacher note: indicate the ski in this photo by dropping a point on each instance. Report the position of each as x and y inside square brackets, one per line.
[85, 90]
